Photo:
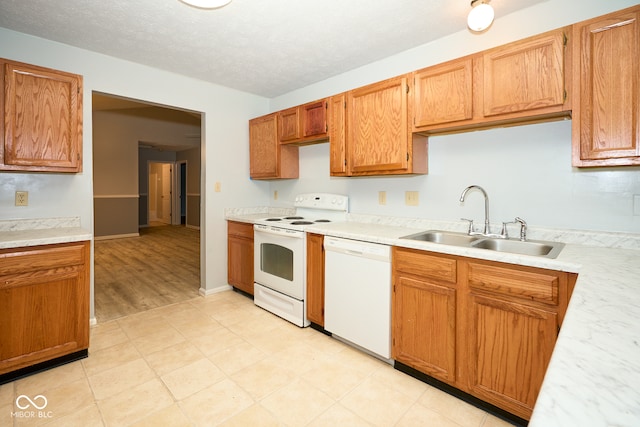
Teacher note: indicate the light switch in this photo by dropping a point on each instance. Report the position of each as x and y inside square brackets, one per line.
[382, 197]
[411, 198]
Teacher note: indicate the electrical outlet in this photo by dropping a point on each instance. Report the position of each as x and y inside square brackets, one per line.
[411, 198]
[22, 198]
[382, 197]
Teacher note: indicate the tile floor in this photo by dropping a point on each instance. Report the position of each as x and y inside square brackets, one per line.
[221, 361]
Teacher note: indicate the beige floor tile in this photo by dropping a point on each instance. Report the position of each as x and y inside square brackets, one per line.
[50, 379]
[216, 403]
[339, 416]
[7, 394]
[122, 378]
[452, 407]
[254, 416]
[110, 357]
[84, 417]
[174, 357]
[491, 421]
[189, 379]
[170, 416]
[105, 335]
[334, 378]
[297, 403]
[263, 378]
[216, 341]
[158, 340]
[377, 403]
[132, 404]
[359, 360]
[256, 325]
[401, 382]
[140, 325]
[299, 357]
[193, 329]
[6, 418]
[418, 415]
[237, 357]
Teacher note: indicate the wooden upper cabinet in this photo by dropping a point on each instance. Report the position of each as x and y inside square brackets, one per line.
[443, 94]
[337, 135]
[268, 158]
[42, 126]
[303, 124]
[606, 128]
[526, 76]
[379, 140]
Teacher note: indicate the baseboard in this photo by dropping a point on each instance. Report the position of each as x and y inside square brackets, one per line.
[43, 366]
[207, 292]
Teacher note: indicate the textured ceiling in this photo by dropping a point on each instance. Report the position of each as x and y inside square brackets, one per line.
[265, 47]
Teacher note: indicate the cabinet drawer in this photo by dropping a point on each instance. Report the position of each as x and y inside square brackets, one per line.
[420, 263]
[524, 283]
[22, 260]
[240, 229]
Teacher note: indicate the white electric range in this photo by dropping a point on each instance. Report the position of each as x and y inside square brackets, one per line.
[280, 259]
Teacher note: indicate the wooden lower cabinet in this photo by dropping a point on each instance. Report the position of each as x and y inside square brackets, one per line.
[44, 303]
[240, 255]
[315, 278]
[485, 328]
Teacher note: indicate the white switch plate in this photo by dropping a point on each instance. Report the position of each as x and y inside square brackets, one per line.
[411, 198]
[382, 197]
[22, 198]
[217, 187]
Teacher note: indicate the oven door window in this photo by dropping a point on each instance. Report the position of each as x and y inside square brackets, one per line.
[276, 260]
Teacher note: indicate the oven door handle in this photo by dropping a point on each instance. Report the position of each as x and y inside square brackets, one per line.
[278, 231]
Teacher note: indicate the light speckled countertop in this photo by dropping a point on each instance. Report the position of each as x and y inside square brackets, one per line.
[593, 378]
[17, 233]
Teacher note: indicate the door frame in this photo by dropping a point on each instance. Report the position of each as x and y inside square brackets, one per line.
[174, 179]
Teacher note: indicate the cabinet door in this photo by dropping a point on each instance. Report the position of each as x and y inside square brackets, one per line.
[240, 256]
[44, 304]
[424, 327]
[315, 278]
[424, 312]
[443, 94]
[337, 135]
[525, 76]
[42, 119]
[509, 348]
[289, 125]
[377, 127]
[605, 122]
[314, 119]
[268, 158]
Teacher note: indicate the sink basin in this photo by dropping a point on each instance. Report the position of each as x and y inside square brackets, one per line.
[444, 237]
[530, 247]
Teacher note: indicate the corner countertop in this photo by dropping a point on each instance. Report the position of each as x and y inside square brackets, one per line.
[17, 233]
[594, 372]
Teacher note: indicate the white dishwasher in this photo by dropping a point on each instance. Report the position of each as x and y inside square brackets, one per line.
[358, 293]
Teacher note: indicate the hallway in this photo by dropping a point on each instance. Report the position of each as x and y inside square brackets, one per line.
[158, 268]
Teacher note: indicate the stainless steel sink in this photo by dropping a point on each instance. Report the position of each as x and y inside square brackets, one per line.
[529, 247]
[444, 237]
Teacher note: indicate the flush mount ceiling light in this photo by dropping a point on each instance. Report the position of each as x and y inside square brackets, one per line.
[207, 4]
[481, 15]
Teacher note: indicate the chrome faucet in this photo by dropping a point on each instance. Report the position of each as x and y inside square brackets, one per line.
[487, 230]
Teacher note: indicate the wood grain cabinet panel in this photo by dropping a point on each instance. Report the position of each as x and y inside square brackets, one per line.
[240, 255]
[337, 135]
[268, 158]
[44, 303]
[379, 141]
[42, 125]
[483, 327]
[315, 278]
[304, 124]
[606, 124]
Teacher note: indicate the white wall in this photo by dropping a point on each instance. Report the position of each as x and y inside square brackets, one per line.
[224, 141]
[526, 170]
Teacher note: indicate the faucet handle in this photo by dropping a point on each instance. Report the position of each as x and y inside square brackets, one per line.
[504, 234]
[471, 229]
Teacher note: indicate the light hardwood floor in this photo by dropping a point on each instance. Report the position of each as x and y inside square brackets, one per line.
[158, 268]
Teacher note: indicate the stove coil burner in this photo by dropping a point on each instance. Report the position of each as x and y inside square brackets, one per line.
[273, 219]
[301, 223]
[322, 220]
[293, 217]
